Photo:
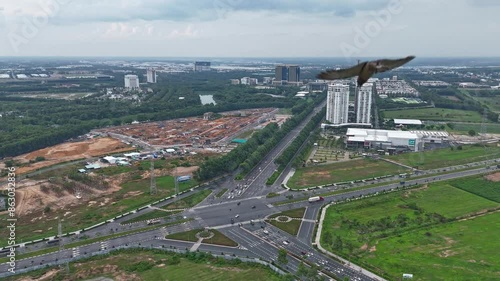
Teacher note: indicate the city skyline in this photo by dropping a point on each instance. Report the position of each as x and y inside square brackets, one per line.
[249, 29]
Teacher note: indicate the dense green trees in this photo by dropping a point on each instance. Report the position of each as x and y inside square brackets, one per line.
[287, 155]
[28, 124]
[246, 156]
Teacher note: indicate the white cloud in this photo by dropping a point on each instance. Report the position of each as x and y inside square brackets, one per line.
[253, 28]
[188, 32]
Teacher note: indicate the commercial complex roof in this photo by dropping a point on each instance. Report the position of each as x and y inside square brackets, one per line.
[407, 121]
[356, 134]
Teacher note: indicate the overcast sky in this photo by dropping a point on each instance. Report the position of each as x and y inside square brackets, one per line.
[249, 28]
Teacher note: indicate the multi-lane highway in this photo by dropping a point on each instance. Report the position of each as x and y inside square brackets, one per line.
[240, 215]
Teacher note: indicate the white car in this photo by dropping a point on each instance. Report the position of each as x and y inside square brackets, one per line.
[265, 231]
[237, 216]
[285, 242]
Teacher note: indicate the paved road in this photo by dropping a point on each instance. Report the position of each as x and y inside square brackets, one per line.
[232, 215]
[306, 230]
[220, 215]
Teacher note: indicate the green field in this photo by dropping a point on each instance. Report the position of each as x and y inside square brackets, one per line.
[189, 201]
[447, 157]
[492, 101]
[416, 231]
[294, 213]
[159, 265]
[154, 214]
[342, 172]
[165, 183]
[479, 186]
[291, 227]
[456, 251]
[435, 114]
[491, 128]
[217, 239]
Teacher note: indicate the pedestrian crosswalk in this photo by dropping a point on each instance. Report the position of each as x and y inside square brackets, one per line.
[104, 245]
[76, 252]
[164, 232]
[269, 235]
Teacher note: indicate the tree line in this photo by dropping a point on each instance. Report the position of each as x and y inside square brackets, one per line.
[247, 155]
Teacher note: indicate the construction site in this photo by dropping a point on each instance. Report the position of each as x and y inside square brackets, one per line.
[213, 130]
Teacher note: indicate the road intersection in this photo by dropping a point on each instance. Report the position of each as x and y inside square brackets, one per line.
[240, 215]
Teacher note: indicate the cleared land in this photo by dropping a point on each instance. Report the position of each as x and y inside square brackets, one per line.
[435, 232]
[156, 265]
[446, 157]
[341, 172]
[42, 209]
[70, 151]
[435, 114]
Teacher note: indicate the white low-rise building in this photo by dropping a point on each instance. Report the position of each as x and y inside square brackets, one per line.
[383, 139]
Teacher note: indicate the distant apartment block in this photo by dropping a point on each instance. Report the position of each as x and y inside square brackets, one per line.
[151, 75]
[337, 107]
[317, 86]
[131, 81]
[235, 81]
[398, 88]
[287, 74]
[267, 80]
[364, 103]
[431, 84]
[248, 81]
[201, 66]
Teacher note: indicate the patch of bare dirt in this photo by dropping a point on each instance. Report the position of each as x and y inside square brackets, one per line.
[364, 247]
[30, 198]
[493, 177]
[49, 275]
[233, 269]
[447, 253]
[407, 194]
[107, 270]
[70, 151]
[448, 240]
[184, 171]
[373, 249]
[480, 213]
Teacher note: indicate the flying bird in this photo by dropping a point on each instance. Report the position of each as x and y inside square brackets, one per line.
[364, 70]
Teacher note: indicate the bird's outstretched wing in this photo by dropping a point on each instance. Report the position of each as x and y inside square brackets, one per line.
[332, 74]
[386, 64]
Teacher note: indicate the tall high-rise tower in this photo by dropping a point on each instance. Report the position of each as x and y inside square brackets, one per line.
[151, 75]
[293, 73]
[364, 103]
[337, 107]
[290, 73]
